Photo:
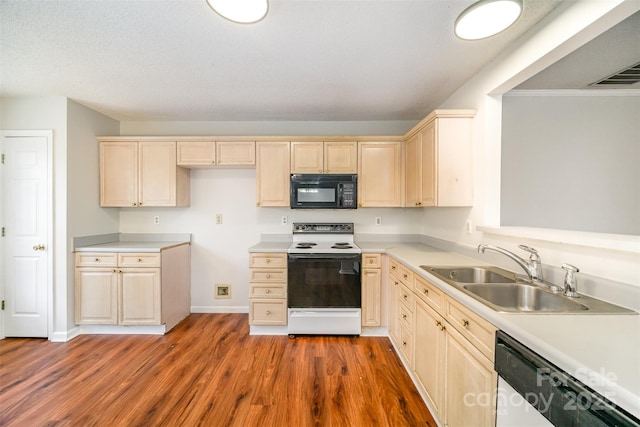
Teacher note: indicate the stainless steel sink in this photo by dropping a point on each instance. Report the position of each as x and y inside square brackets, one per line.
[504, 292]
[473, 274]
[522, 297]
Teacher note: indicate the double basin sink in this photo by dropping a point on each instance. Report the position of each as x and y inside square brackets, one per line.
[502, 291]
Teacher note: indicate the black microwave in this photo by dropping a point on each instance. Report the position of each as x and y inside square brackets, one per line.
[329, 191]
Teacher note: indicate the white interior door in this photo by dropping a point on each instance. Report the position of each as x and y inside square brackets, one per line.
[26, 211]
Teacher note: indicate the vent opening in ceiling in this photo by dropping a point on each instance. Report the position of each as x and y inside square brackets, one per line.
[628, 76]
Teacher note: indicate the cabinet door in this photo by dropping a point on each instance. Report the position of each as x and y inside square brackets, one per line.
[236, 153]
[371, 283]
[413, 172]
[157, 173]
[380, 178]
[341, 157]
[196, 153]
[471, 384]
[307, 157]
[273, 178]
[429, 164]
[96, 296]
[118, 174]
[139, 296]
[430, 358]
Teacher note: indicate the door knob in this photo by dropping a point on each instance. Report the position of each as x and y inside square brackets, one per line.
[39, 247]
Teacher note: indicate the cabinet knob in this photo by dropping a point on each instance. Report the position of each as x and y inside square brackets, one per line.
[405, 276]
[140, 204]
[97, 260]
[267, 261]
[404, 343]
[139, 259]
[371, 260]
[404, 316]
[114, 270]
[405, 296]
[425, 291]
[134, 204]
[465, 323]
[393, 267]
[268, 276]
[268, 313]
[268, 291]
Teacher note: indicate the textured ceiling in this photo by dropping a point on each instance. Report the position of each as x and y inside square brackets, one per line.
[308, 60]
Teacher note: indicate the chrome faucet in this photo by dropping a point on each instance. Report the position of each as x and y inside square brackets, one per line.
[570, 281]
[533, 268]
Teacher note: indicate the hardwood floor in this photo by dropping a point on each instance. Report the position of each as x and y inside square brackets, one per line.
[207, 371]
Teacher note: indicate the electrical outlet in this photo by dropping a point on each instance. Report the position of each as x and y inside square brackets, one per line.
[156, 220]
[223, 291]
[284, 220]
[378, 220]
[218, 218]
[468, 227]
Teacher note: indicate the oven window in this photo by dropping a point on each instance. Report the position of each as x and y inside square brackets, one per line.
[316, 195]
[324, 283]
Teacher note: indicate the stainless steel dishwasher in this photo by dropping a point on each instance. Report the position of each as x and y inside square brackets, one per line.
[557, 397]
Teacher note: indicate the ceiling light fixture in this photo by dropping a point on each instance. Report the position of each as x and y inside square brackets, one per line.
[240, 11]
[486, 18]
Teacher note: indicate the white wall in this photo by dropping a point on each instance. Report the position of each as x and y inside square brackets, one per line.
[570, 160]
[84, 215]
[220, 252]
[564, 30]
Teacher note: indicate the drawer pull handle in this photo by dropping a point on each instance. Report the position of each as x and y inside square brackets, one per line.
[268, 276]
[465, 323]
[405, 276]
[404, 316]
[114, 270]
[393, 267]
[139, 259]
[268, 291]
[404, 343]
[405, 296]
[371, 260]
[97, 260]
[268, 313]
[425, 291]
[267, 260]
[440, 326]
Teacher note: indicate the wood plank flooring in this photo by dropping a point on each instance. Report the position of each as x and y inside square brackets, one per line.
[208, 371]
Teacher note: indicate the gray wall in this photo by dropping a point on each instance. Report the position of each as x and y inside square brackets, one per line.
[571, 162]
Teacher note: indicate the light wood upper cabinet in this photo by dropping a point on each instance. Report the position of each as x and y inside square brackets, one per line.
[339, 157]
[144, 173]
[438, 156]
[219, 153]
[273, 177]
[380, 174]
[307, 157]
[196, 153]
[235, 153]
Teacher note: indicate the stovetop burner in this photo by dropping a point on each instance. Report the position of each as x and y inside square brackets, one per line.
[320, 238]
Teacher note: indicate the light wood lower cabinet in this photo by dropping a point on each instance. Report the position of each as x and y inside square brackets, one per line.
[133, 288]
[452, 350]
[371, 289]
[268, 289]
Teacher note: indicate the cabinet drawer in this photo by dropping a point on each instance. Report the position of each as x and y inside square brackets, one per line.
[394, 267]
[429, 294]
[276, 275]
[371, 261]
[406, 316]
[96, 259]
[477, 330]
[268, 260]
[267, 312]
[406, 297]
[258, 290]
[401, 272]
[406, 344]
[140, 259]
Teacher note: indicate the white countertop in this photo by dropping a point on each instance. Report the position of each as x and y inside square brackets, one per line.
[134, 246]
[602, 351]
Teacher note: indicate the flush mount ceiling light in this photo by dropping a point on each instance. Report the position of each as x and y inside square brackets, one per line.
[240, 11]
[486, 18]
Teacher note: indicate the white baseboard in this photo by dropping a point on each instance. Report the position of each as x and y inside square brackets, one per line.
[65, 336]
[219, 309]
